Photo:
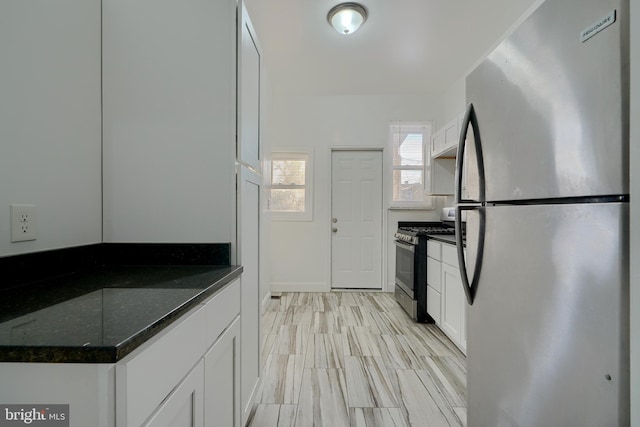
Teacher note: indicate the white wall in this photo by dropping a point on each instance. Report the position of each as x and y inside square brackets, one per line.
[300, 251]
[454, 99]
[169, 121]
[635, 216]
[50, 121]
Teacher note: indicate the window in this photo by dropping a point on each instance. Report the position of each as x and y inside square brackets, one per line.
[291, 195]
[408, 149]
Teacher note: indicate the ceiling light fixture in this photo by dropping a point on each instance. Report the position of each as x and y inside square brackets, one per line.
[346, 18]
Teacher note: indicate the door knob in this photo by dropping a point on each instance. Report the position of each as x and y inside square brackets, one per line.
[334, 220]
[335, 230]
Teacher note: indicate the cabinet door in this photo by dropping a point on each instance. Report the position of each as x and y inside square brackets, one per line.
[250, 308]
[434, 305]
[434, 273]
[249, 56]
[451, 135]
[222, 380]
[437, 142]
[184, 406]
[452, 303]
[147, 376]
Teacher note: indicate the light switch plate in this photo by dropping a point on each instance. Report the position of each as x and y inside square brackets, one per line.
[23, 223]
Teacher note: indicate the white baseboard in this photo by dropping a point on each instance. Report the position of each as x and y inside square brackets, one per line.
[391, 287]
[315, 287]
[300, 287]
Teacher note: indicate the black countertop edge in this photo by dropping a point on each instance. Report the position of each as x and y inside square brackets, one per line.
[111, 354]
[445, 239]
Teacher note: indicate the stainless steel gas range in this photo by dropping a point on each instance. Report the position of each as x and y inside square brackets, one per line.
[411, 263]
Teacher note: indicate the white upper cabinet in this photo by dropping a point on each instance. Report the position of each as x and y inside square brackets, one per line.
[249, 63]
[437, 142]
[445, 140]
[442, 162]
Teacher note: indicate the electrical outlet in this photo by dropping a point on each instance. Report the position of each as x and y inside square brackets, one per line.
[23, 222]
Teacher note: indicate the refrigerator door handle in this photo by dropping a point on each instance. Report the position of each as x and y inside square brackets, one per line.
[470, 289]
[470, 118]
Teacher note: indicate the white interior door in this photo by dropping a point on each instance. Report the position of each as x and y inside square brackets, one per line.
[249, 189]
[356, 219]
[249, 258]
[249, 55]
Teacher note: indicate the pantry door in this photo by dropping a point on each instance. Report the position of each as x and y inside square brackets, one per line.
[356, 219]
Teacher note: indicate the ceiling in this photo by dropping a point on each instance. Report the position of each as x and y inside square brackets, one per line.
[405, 47]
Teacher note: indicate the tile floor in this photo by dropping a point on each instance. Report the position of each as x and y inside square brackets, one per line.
[355, 359]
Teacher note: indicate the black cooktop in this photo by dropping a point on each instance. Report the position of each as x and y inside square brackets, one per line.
[422, 228]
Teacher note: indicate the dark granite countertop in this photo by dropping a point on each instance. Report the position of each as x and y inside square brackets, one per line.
[443, 238]
[101, 314]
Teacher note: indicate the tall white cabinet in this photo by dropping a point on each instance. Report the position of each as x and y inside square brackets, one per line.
[249, 176]
[182, 156]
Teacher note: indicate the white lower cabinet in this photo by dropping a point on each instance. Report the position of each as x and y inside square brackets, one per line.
[453, 305]
[221, 380]
[446, 302]
[184, 407]
[189, 375]
[434, 279]
[434, 299]
[146, 378]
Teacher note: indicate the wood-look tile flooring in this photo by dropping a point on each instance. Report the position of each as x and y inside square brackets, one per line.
[355, 359]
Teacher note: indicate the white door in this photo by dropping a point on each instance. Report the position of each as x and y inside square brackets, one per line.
[249, 257]
[249, 189]
[356, 219]
[249, 57]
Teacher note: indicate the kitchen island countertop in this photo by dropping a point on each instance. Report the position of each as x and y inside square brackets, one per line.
[101, 314]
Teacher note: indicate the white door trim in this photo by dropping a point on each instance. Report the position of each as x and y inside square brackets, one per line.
[385, 203]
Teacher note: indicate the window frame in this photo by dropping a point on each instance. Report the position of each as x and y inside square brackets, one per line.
[425, 128]
[293, 154]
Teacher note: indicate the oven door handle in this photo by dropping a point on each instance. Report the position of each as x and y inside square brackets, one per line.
[406, 246]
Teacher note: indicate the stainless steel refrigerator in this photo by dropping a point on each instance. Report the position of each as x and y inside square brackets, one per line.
[543, 174]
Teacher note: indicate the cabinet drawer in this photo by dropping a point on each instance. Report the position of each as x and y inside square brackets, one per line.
[147, 376]
[450, 255]
[434, 271]
[221, 309]
[433, 249]
[433, 304]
